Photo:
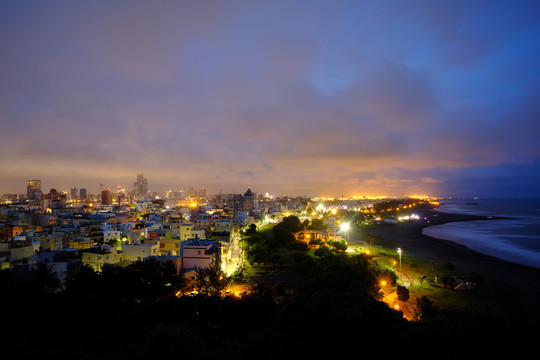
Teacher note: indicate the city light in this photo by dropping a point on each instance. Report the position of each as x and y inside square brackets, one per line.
[345, 228]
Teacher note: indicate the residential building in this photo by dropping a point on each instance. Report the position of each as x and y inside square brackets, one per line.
[54, 200]
[96, 257]
[134, 252]
[199, 253]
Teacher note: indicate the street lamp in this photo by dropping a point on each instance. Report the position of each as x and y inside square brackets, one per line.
[345, 227]
[399, 252]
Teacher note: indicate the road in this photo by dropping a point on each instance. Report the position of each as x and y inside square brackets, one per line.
[235, 260]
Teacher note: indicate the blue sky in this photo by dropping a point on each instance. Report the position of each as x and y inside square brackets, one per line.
[287, 97]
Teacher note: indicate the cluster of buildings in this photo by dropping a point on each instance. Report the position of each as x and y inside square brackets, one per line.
[191, 231]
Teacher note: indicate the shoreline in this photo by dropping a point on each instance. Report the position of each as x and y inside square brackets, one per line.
[408, 236]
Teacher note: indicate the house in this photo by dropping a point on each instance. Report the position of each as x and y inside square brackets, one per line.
[62, 262]
[111, 234]
[96, 257]
[309, 235]
[185, 231]
[169, 246]
[52, 243]
[81, 243]
[176, 260]
[134, 252]
[199, 253]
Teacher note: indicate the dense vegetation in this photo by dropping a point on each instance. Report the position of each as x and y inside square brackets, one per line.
[132, 313]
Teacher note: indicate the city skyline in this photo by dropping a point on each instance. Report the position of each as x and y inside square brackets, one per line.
[307, 98]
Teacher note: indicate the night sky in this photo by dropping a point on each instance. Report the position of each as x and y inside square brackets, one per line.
[317, 98]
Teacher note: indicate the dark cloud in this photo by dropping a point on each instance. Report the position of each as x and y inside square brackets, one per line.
[307, 96]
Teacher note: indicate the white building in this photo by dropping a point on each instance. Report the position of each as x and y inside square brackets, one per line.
[109, 235]
[198, 253]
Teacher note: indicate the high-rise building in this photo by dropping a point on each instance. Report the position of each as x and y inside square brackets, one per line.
[140, 187]
[83, 194]
[33, 189]
[74, 193]
[248, 200]
[106, 197]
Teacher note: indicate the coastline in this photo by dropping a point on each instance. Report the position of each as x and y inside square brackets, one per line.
[409, 237]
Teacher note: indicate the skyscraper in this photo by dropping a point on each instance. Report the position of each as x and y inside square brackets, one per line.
[140, 187]
[248, 200]
[106, 197]
[74, 193]
[83, 194]
[33, 189]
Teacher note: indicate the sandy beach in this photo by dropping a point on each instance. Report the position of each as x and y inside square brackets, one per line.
[408, 236]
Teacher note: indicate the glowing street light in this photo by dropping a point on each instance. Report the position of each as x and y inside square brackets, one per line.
[345, 228]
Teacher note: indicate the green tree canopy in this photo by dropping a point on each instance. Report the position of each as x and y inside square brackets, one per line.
[212, 281]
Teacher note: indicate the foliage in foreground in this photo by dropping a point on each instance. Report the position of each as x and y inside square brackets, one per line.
[331, 312]
[132, 313]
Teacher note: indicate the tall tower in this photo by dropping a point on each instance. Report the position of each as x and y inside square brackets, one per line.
[83, 194]
[248, 200]
[31, 188]
[106, 197]
[140, 187]
[74, 193]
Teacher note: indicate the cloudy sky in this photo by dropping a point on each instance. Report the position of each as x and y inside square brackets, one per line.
[288, 97]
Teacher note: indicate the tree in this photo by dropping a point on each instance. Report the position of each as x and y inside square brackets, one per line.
[43, 277]
[298, 245]
[283, 232]
[423, 309]
[339, 245]
[402, 293]
[114, 242]
[212, 281]
[315, 242]
[322, 251]
[252, 229]
[317, 224]
[448, 266]
[384, 272]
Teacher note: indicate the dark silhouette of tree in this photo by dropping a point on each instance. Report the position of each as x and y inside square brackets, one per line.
[282, 233]
[298, 245]
[252, 229]
[402, 293]
[44, 278]
[212, 281]
[448, 266]
[423, 309]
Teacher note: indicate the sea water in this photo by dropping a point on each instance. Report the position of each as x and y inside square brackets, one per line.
[516, 239]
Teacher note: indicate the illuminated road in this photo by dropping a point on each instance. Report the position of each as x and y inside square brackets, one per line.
[235, 260]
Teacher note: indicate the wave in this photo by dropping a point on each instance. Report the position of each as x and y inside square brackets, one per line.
[504, 239]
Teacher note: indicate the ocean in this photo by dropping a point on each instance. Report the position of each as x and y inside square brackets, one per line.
[516, 239]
